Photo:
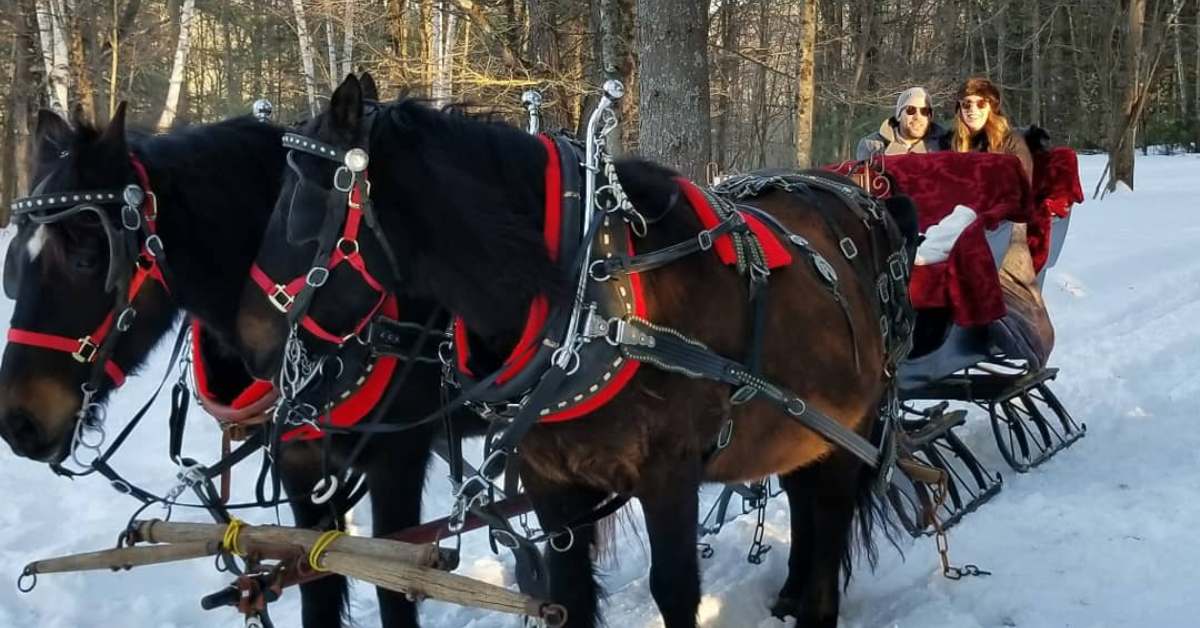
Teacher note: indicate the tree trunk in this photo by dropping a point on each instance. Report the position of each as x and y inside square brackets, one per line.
[348, 38]
[54, 57]
[175, 87]
[673, 42]
[331, 51]
[616, 54]
[445, 25]
[1180, 73]
[22, 98]
[1001, 40]
[727, 67]
[1035, 90]
[758, 114]
[545, 53]
[306, 56]
[425, 26]
[805, 102]
[1123, 137]
[81, 19]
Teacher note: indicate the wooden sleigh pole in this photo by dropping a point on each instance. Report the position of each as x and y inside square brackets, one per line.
[413, 569]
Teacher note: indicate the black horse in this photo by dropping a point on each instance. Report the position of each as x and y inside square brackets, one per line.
[461, 204]
[214, 186]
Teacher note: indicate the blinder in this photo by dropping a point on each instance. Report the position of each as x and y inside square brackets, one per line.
[122, 241]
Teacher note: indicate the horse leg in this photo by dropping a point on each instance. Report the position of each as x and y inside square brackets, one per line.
[396, 467]
[671, 506]
[571, 577]
[822, 499]
[323, 601]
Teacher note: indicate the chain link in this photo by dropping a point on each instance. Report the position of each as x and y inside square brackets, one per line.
[943, 542]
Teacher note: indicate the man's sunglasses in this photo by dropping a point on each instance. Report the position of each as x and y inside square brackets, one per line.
[912, 111]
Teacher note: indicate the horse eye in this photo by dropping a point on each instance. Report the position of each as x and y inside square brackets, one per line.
[87, 262]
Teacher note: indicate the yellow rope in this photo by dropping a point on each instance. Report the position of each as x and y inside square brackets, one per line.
[318, 549]
[230, 540]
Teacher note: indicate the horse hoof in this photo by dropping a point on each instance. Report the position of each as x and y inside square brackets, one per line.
[785, 606]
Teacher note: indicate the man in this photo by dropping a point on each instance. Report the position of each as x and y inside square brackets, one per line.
[910, 130]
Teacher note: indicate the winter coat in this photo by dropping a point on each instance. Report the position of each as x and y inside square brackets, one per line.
[1014, 144]
[885, 142]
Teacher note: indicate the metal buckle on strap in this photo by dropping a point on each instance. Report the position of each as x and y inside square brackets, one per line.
[897, 267]
[623, 333]
[281, 299]
[705, 239]
[848, 248]
[125, 319]
[317, 276]
[86, 351]
[885, 295]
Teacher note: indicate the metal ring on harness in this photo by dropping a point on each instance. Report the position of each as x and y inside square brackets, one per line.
[505, 538]
[569, 533]
[347, 251]
[337, 177]
[27, 575]
[592, 271]
[125, 319]
[324, 489]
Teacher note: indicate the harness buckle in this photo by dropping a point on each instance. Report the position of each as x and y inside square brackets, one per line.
[87, 350]
[131, 218]
[705, 239]
[625, 334]
[317, 276]
[154, 246]
[848, 248]
[897, 267]
[280, 298]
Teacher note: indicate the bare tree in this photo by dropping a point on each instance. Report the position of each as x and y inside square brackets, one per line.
[805, 102]
[674, 96]
[306, 56]
[348, 38]
[54, 54]
[175, 87]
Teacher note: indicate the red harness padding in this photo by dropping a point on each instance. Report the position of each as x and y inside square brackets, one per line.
[777, 254]
[361, 402]
[250, 403]
[282, 296]
[539, 309]
[85, 348]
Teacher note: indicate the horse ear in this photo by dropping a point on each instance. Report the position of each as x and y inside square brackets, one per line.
[114, 133]
[53, 133]
[346, 104]
[369, 90]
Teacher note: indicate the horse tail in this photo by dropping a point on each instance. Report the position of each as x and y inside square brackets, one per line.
[872, 510]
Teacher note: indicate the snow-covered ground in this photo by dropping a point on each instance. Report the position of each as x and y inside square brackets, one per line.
[1102, 536]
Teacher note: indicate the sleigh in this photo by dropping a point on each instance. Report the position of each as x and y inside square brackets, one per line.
[964, 352]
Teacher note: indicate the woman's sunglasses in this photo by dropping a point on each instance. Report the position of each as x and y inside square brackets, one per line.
[979, 103]
[912, 110]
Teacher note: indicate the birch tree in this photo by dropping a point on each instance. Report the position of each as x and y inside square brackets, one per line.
[306, 56]
[54, 54]
[445, 23]
[348, 38]
[175, 87]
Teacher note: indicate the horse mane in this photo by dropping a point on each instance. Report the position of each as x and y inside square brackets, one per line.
[459, 182]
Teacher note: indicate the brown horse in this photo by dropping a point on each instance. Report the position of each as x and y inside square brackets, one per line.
[461, 204]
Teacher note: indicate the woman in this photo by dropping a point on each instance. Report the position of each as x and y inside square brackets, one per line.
[980, 124]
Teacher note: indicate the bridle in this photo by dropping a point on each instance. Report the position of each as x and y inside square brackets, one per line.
[337, 243]
[135, 260]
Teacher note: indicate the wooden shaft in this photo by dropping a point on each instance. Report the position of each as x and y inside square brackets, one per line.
[422, 582]
[124, 557]
[158, 531]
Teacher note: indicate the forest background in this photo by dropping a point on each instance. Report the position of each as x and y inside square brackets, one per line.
[712, 85]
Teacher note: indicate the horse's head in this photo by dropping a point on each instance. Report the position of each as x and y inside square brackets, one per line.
[322, 233]
[87, 306]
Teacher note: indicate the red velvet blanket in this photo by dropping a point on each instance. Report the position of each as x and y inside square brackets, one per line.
[1056, 188]
[994, 186]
